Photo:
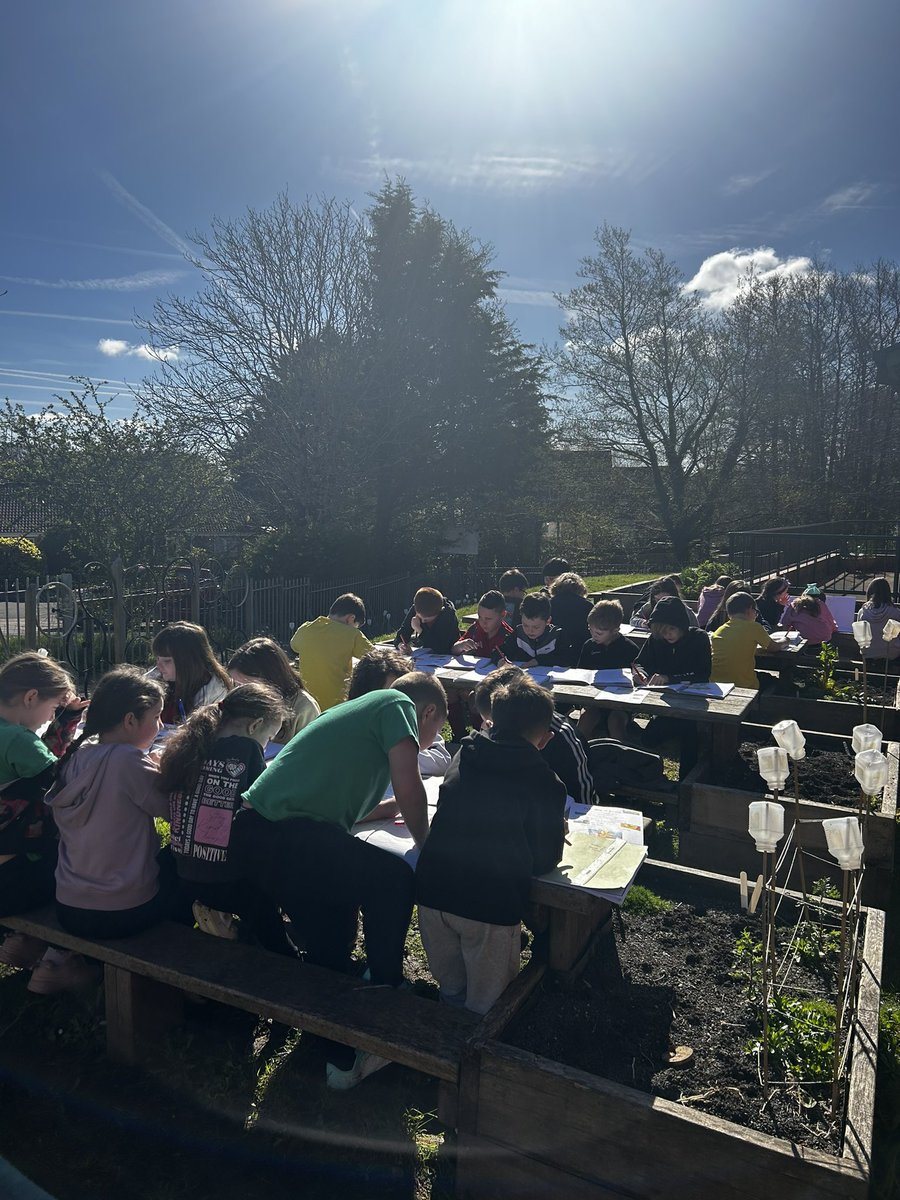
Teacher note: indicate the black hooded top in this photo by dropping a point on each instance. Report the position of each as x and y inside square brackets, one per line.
[689, 660]
[499, 821]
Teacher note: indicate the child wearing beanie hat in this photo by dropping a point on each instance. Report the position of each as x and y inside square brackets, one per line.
[675, 652]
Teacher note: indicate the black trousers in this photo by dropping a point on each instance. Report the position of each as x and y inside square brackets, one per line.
[322, 877]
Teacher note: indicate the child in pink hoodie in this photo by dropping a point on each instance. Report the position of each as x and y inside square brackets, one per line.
[810, 616]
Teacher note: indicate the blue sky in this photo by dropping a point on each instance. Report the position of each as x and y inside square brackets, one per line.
[722, 131]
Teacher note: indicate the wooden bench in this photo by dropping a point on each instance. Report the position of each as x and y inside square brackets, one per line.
[146, 976]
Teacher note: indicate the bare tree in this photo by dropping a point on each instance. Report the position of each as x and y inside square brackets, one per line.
[276, 283]
[652, 379]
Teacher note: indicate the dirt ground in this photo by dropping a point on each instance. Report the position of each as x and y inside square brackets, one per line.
[671, 981]
[825, 776]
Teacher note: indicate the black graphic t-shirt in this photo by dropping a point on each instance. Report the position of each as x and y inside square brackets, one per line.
[201, 819]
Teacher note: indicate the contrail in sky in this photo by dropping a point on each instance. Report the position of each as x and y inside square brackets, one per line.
[143, 213]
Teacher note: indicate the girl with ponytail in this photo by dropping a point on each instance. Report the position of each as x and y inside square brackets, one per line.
[206, 766]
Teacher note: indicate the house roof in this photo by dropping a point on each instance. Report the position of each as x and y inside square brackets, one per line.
[20, 517]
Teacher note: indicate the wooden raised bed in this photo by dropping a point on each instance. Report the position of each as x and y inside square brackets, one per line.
[713, 831]
[529, 1126]
[823, 716]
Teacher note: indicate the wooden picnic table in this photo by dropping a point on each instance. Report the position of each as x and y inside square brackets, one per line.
[571, 913]
[719, 717]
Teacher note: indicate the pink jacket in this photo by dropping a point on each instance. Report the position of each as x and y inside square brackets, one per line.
[814, 629]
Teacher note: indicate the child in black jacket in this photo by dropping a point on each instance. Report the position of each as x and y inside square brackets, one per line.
[675, 652]
[499, 821]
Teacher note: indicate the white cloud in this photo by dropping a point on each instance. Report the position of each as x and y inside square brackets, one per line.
[743, 183]
[853, 196]
[116, 347]
[509, 172]
[721, 275]
[116, 283]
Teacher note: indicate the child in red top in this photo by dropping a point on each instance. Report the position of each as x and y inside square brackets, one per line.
[487, 635]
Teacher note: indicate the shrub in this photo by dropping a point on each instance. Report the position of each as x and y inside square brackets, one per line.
[18, 557]
[641, 902]
[693, 579]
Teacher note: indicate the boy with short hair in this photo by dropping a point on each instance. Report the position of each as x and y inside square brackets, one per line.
[431, 624]
[327, 646]
[734, 644]
[499, 821]
[564, 753]
[605, 650]
[294, 835]
[489, 631]
[513, 584]
[535, 642]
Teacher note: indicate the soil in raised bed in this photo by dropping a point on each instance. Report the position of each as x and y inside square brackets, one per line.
[675, 987]
[826, 776]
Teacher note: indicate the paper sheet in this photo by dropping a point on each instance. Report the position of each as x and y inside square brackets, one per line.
[715, 691]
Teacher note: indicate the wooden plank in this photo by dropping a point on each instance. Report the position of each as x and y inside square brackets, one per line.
[560, 1115]
[138, 1011]
[827, 716]
[864, 1048]
[405, 1028]
[571, 933]
[486, 1170]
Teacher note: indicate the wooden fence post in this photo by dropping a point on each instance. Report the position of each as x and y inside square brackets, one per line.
[120, 617]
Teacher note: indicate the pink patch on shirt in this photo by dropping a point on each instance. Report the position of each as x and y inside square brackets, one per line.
[213, 827]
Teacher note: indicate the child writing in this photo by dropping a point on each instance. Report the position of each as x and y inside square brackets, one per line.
[486, 636]
[770, 602]
[263, 661]
[33, 690]
[720, 612]
[499, 821]
[564, 752]
[108, 881]
[810, 616]
[327, 646]
[381, 668]
[675, 652]
[659, 589]
[206, 767]
[187, 666]
[735, 643]
[431, 624]
[535, 642]
[605, 650]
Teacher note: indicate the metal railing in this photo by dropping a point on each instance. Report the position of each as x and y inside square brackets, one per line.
[840, 555]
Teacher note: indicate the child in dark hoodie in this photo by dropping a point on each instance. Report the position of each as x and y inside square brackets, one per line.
[675, 652]
[499, 821]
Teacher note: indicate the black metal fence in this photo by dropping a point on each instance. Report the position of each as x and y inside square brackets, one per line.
[841, 555]
[107, 614]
